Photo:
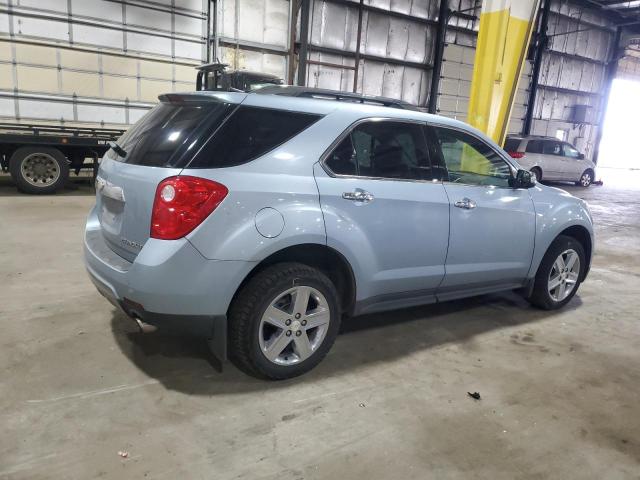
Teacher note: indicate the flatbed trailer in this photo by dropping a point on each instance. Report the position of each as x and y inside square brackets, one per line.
[41, 157]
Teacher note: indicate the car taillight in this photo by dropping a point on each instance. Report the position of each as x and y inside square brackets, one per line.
[182, 203]
[516, 154]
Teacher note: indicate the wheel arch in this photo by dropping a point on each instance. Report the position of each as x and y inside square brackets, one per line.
[538, 167]
[326, 259]
[582, 235]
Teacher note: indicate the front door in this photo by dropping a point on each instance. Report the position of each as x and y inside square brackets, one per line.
[384, 210]
[492, 224]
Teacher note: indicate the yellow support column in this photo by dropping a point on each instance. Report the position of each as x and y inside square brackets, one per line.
[503, 39]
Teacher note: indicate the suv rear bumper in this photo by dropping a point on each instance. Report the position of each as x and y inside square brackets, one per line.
[169, 285]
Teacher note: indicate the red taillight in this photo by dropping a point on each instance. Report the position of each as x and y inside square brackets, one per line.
[516, 154]
[182, 203]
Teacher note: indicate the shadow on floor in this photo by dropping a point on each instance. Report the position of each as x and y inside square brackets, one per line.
[185, 364]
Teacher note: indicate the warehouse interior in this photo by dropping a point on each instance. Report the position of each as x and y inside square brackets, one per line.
[85, 394]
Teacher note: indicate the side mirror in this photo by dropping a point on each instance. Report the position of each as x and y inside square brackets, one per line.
[524, 179]
[581, 156]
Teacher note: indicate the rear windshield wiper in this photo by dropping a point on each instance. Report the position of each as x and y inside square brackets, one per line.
[118, 149]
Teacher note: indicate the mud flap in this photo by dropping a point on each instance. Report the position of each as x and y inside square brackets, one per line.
[217, 342]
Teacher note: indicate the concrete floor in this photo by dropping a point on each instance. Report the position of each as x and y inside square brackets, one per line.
[560, 391]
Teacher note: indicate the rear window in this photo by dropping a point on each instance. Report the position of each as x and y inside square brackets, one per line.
[512, 144]
[249, 133]
[156, 139]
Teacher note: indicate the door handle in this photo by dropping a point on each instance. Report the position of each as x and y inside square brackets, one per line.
[358, 195]
[465, 203]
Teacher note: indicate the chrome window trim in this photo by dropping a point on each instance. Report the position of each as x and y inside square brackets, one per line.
[350, 128]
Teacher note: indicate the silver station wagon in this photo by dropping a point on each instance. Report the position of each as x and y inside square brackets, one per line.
[258, 222]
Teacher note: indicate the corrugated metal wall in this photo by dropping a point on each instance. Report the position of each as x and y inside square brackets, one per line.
[103, 62]
[396, 50]
[95, 62]
[573, 73]
[254, 35]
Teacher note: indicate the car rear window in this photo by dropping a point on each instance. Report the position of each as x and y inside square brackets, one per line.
[249, 133]
[156, 139]
[512, 144]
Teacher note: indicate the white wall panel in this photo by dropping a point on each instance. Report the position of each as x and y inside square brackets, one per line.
[42, 109]
[101, 114]
[4, 23]
[110, 11]
[36, 27]
[102, 37]
[189, 50]
[188, 25]
[139, 42]
[88, 55]
[52, 5]
[148, 18]
[7, 108]
[196, 5]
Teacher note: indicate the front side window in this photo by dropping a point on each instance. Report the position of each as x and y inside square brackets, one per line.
[382, 149]
[552, 148]
[569, 151]
[469, 160]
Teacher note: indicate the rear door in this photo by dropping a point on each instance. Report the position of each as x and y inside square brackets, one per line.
[492, 224]
[574, 166]
[552, 160]
[386, 210]
[126, 185]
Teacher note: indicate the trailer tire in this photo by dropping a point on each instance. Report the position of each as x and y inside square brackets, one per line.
[39, 170]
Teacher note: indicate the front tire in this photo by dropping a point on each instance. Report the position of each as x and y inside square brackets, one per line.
[586, 179]
[559, 274]
[537, 172]
[283, 321]
[39, 170]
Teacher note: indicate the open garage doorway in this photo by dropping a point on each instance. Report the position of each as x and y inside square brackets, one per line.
[620, 146]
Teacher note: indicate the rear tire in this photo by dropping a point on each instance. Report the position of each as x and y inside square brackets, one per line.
[39, 170]
[586, 178]
[270, 335]
[537, 172]
[559, 274]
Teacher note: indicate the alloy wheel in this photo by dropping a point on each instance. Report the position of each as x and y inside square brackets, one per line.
[294, 325]
[564, 274]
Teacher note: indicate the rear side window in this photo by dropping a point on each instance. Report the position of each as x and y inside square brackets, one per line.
[512, 144]
[382, 150]
[155, 140]
[249, 133]
[534, 146]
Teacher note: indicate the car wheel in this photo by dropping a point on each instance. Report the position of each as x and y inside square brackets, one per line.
[586, 179]
[38, 170]
[283, 321]
[537, 172]
[559, 274]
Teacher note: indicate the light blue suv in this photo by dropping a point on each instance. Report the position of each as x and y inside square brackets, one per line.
[258, 221]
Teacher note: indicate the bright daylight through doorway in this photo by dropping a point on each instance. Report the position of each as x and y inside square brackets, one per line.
[620, 147]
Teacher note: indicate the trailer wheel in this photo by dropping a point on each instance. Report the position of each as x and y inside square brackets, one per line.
[39, 170]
